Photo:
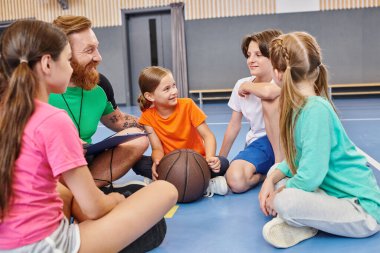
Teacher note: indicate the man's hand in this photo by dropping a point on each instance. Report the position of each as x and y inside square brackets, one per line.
[84, 145]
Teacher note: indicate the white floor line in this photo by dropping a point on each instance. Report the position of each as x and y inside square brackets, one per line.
[215, 123]
[223, 123]
[364, 119]
[244, 123]
[360, 119]
[371, 161]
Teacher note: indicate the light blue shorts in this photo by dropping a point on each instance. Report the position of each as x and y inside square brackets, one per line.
[259, 153]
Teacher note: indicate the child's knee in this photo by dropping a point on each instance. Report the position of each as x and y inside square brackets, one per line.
[236, 180]
[169, 190]
[286, 202]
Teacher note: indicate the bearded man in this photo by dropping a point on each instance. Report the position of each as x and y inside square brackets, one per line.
[87, 103]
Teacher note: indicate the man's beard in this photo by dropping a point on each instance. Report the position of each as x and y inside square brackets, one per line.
[85, 76]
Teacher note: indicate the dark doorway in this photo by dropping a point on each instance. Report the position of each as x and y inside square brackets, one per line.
[148, 44]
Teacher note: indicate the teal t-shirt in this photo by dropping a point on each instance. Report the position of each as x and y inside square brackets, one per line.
[327, 159]
[94, 105]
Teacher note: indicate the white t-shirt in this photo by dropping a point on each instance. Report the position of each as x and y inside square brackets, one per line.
[251, 109]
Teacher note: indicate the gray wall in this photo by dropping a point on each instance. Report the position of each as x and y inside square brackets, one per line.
[112, 49]
[349, 40]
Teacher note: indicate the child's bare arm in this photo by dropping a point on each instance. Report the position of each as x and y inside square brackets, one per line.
[208, 138]
[210, 146]
[231, 133]
[267, 91]
[92, 202]
[157, 149]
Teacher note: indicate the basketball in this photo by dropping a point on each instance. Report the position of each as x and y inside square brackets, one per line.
[188, 171]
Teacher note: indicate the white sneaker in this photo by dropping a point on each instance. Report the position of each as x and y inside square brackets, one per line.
[281, 235]
[216, 185]
[136, 182]
[147, 180]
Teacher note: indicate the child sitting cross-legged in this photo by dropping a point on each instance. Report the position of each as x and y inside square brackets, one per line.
[176, 123]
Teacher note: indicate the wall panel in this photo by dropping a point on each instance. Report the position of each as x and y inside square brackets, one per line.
[347, 4]
[105, 13]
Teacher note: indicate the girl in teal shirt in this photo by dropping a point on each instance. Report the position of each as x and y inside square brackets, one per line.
[330, 188]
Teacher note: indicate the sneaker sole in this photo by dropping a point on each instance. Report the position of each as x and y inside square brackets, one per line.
[282, 235]
[128, 183]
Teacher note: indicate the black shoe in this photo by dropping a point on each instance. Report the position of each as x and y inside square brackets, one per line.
[154, 236]
[126, 189]
[129, 188]
[148, 241]
[143, 167]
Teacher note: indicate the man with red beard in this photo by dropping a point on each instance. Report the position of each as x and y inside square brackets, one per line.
[87, 104]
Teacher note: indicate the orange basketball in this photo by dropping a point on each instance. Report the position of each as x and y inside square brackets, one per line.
[188, 171]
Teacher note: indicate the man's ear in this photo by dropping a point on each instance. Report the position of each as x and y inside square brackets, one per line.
[46, 61]
[149, 96]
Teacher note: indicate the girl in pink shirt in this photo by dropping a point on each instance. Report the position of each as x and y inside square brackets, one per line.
[39, 144]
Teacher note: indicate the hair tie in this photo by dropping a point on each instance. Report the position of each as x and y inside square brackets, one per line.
[288, 67]
[23, 60]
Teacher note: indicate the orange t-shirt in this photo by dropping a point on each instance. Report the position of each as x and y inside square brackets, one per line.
[178, 131]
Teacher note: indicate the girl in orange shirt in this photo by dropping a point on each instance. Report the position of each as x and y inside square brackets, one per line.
[176, 123]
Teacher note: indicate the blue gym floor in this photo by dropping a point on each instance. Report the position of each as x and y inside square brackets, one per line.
[233, 223]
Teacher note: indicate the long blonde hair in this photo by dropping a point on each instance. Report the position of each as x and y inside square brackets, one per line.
[22, 45]
[298, 56]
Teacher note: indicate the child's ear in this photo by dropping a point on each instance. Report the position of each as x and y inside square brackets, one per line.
[278, 75]
[45, 64]
[149, 96]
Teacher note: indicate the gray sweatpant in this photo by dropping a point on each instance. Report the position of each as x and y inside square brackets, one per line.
[343, 217]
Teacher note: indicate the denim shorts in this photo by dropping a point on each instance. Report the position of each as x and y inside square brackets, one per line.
[259, 153]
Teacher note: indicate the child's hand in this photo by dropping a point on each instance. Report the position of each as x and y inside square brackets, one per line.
[214, 163]
[267, 189]
[84, 145]
[269, 203]
[244, 89]
[154, 170]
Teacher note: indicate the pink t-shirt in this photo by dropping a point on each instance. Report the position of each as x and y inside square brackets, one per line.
[50, 146]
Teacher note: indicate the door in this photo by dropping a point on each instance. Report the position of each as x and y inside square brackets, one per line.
[3, 26]
[149, 44]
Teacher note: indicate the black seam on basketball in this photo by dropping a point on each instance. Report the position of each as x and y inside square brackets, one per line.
[187, 174]
[170, 170]
[171, 165]
[203, 174]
